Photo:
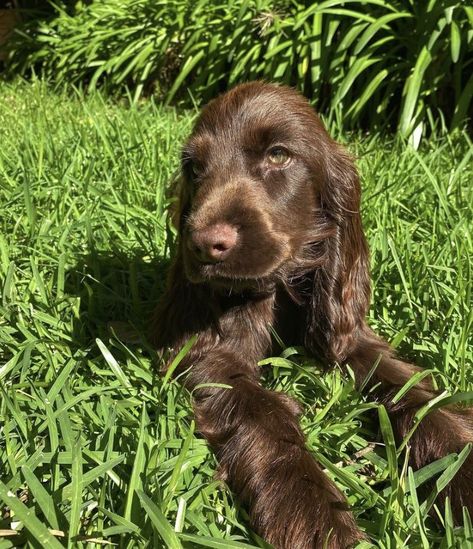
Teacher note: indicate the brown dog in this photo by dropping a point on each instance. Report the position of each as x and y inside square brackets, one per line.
[270, 235]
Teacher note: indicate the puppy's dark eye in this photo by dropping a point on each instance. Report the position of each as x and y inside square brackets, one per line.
[193, 168]
[278, 157]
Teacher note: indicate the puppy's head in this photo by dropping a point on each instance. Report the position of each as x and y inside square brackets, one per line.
[266, 191]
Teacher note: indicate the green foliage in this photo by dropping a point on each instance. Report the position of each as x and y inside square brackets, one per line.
[396, 63]
[96, 445]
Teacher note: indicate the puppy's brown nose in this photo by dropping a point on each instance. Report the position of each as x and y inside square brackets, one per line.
[214, 243]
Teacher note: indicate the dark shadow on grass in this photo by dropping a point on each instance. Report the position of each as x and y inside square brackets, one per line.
[114, 287]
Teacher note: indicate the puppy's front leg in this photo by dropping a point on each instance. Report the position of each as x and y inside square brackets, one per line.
[262, 456]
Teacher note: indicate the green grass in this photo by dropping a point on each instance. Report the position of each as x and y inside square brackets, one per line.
[94, 445]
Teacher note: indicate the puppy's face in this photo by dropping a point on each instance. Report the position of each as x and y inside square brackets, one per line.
[252, 170]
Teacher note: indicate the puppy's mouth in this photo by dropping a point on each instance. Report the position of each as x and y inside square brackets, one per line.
[218, 273]
[202, 271]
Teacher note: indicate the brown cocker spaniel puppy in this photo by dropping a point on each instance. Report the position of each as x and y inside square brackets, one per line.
[270, 236]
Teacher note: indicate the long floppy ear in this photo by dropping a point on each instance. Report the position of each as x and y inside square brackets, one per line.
[341, 287]
[181, 311]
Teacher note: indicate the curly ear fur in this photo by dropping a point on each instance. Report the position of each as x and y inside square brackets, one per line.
[341, 289]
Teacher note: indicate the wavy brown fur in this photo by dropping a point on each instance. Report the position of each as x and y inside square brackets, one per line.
[294, 258]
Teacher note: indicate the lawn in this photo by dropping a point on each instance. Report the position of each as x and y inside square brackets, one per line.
[95, 446]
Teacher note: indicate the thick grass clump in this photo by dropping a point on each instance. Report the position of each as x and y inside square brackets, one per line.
[95, 445]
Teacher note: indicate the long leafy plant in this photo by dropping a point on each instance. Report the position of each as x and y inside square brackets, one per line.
[396, 63]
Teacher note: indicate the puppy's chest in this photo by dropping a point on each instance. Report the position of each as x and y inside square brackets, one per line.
[288, 323]
[263, 326]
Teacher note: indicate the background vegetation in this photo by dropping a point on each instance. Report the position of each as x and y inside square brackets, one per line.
[96, 446]
[372, 63]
